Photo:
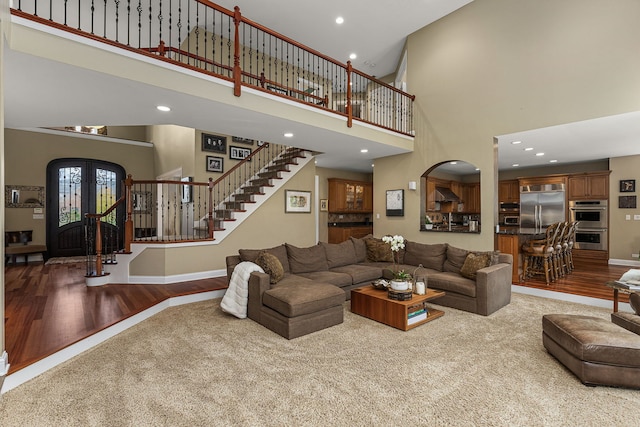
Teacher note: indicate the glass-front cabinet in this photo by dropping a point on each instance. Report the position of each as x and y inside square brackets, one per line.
[347, 196]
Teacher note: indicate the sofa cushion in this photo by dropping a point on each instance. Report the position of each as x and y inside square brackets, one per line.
[360, 273]
[430, 256]
[455, 259]
[296, 299]
[339, 254]
[378, 251]
[279, 251]
[452, 282]
[360, 247]
[271, 265]
[325, 276]
[629, 321]
[304, 260]
[473, 263]
[634, 302]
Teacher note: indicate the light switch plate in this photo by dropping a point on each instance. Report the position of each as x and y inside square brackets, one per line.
[627, 217]
[636, 217]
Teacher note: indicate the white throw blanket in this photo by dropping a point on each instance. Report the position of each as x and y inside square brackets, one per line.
[235, 299]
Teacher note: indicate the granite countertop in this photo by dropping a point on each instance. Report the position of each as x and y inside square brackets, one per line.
[350, 224]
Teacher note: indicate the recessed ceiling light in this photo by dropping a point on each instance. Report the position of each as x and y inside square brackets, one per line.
[353, 56]
[339, 20]
[539, 154]
[477, 169]
[453, 163]
[372, 165]
[288, 135]
[528, 149]
[516, 142]
[515, 165]
[553, 161]
[364, 150]
[163, 108]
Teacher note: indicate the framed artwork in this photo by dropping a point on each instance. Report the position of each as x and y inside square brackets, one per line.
[215, 164]
[395, 202]
[239, 153]
[297, 201]
[324, 205]
[186, 190]
[627, 185]
[627, 202]
[141, 202]
[214, 143]
[242, 140]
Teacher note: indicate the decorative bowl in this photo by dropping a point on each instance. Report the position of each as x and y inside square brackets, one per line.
[380, 284]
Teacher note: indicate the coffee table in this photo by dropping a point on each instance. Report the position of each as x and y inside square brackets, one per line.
[617, 288]
[375, 304]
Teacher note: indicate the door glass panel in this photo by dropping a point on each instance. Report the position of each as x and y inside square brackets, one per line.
[106, 193]
[69, 195]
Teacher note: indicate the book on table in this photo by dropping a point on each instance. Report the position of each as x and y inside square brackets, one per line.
[633, 285]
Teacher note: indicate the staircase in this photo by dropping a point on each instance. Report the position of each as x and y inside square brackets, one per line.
[228, 215]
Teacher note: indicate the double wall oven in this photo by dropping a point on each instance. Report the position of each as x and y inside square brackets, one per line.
[593, 220]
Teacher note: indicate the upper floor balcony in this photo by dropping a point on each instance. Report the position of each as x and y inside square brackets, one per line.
[112, 61]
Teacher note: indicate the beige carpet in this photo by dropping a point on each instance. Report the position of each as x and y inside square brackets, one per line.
[194, 366]
[66, 260]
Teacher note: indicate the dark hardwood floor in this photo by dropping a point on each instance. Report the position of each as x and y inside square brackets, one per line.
[49, 307]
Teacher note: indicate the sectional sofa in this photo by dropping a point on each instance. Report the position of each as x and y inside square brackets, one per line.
[297, 294]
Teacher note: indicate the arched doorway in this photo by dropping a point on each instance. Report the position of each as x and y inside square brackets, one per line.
[76, 187]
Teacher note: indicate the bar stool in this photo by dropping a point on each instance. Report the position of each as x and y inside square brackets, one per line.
[538, 255]
[559, 249]
[568, 252]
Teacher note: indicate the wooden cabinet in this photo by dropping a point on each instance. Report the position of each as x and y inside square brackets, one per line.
[469, 195]
[589, 186]
[471, 198]
[509, 191]
[510, 244]
[541, 180]
[431, 195]
[340, 234]
[350, 196]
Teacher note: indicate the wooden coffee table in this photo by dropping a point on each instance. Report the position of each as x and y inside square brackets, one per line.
[376, 305]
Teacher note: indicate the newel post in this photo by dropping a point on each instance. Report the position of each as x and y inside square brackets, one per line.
[237, 71]
[98, 247]
[210, 217]
[128, 224]
[348, 104]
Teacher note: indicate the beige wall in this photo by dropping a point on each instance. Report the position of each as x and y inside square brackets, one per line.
[496, 67]
[269, 226]
[27, 154]
[174, 148]
[323, 193]
[624, 235]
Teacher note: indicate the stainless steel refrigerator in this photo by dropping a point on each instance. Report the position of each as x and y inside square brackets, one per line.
[540, 206]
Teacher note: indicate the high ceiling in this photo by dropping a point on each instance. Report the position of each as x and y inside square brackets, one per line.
[36, 86]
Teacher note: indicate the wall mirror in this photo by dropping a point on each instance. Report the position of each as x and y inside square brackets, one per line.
[450, 197]
[23, 196]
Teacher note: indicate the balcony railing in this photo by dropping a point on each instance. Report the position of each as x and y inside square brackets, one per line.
[203, 36]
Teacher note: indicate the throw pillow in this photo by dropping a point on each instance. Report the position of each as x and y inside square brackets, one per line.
[307, 260]
[634, 302]
[473, 263]
[361, 248]
[279, 252]
[378, 251]
[271, 265]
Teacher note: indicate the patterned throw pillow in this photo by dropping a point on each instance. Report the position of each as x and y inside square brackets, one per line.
[473, 263]
[378, 251]
[271, 265]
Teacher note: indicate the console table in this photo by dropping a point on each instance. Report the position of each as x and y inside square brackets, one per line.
[617, 288]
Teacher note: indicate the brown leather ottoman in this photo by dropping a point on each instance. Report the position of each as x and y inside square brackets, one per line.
[598, 352]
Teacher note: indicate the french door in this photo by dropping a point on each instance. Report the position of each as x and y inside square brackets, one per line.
[76, 187]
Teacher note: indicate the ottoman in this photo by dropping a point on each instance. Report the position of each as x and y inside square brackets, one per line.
[597, 351]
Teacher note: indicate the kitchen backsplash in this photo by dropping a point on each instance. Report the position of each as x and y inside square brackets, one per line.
[356, 217]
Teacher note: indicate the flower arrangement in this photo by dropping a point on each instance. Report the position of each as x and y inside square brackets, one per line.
[396, 242]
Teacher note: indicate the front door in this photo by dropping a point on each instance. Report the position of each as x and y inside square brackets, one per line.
[76, 187]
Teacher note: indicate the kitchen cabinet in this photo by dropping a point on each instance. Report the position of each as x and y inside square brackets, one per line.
[510, 244]
[541, 180]
[471, 198]
[347, 196]
[431, 195]
[340, 234]
[589, 186]
[509, 191]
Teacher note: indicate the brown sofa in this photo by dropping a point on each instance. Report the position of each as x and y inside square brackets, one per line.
[322, 269]
[597, 351]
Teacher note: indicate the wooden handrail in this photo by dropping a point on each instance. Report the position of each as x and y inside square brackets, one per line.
[239, 164]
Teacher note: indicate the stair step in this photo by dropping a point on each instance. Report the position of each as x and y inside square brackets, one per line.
[270, 174]
[243, 197]
[280, 168]
[252, 189]
[234, 205]
[262, 182]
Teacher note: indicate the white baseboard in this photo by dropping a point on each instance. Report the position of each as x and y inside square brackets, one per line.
[628, 262]
[595, 302]
[187, 277]
[29, 372]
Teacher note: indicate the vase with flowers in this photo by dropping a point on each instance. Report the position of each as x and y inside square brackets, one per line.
[401, 278]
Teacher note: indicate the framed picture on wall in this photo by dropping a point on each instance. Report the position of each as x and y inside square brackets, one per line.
[242, 140]
[324, 205]
[214, 143]
[186, 190]
[627, 185]
[239, 153]
[395, 202]
[297, 201]
[215, 164]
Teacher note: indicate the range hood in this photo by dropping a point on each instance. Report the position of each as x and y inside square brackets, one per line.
[444, 194]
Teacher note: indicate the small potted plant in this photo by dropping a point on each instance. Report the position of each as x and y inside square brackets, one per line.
[400, 281]
[427, 222]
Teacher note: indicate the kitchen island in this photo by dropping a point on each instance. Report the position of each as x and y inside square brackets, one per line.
[509, 240]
